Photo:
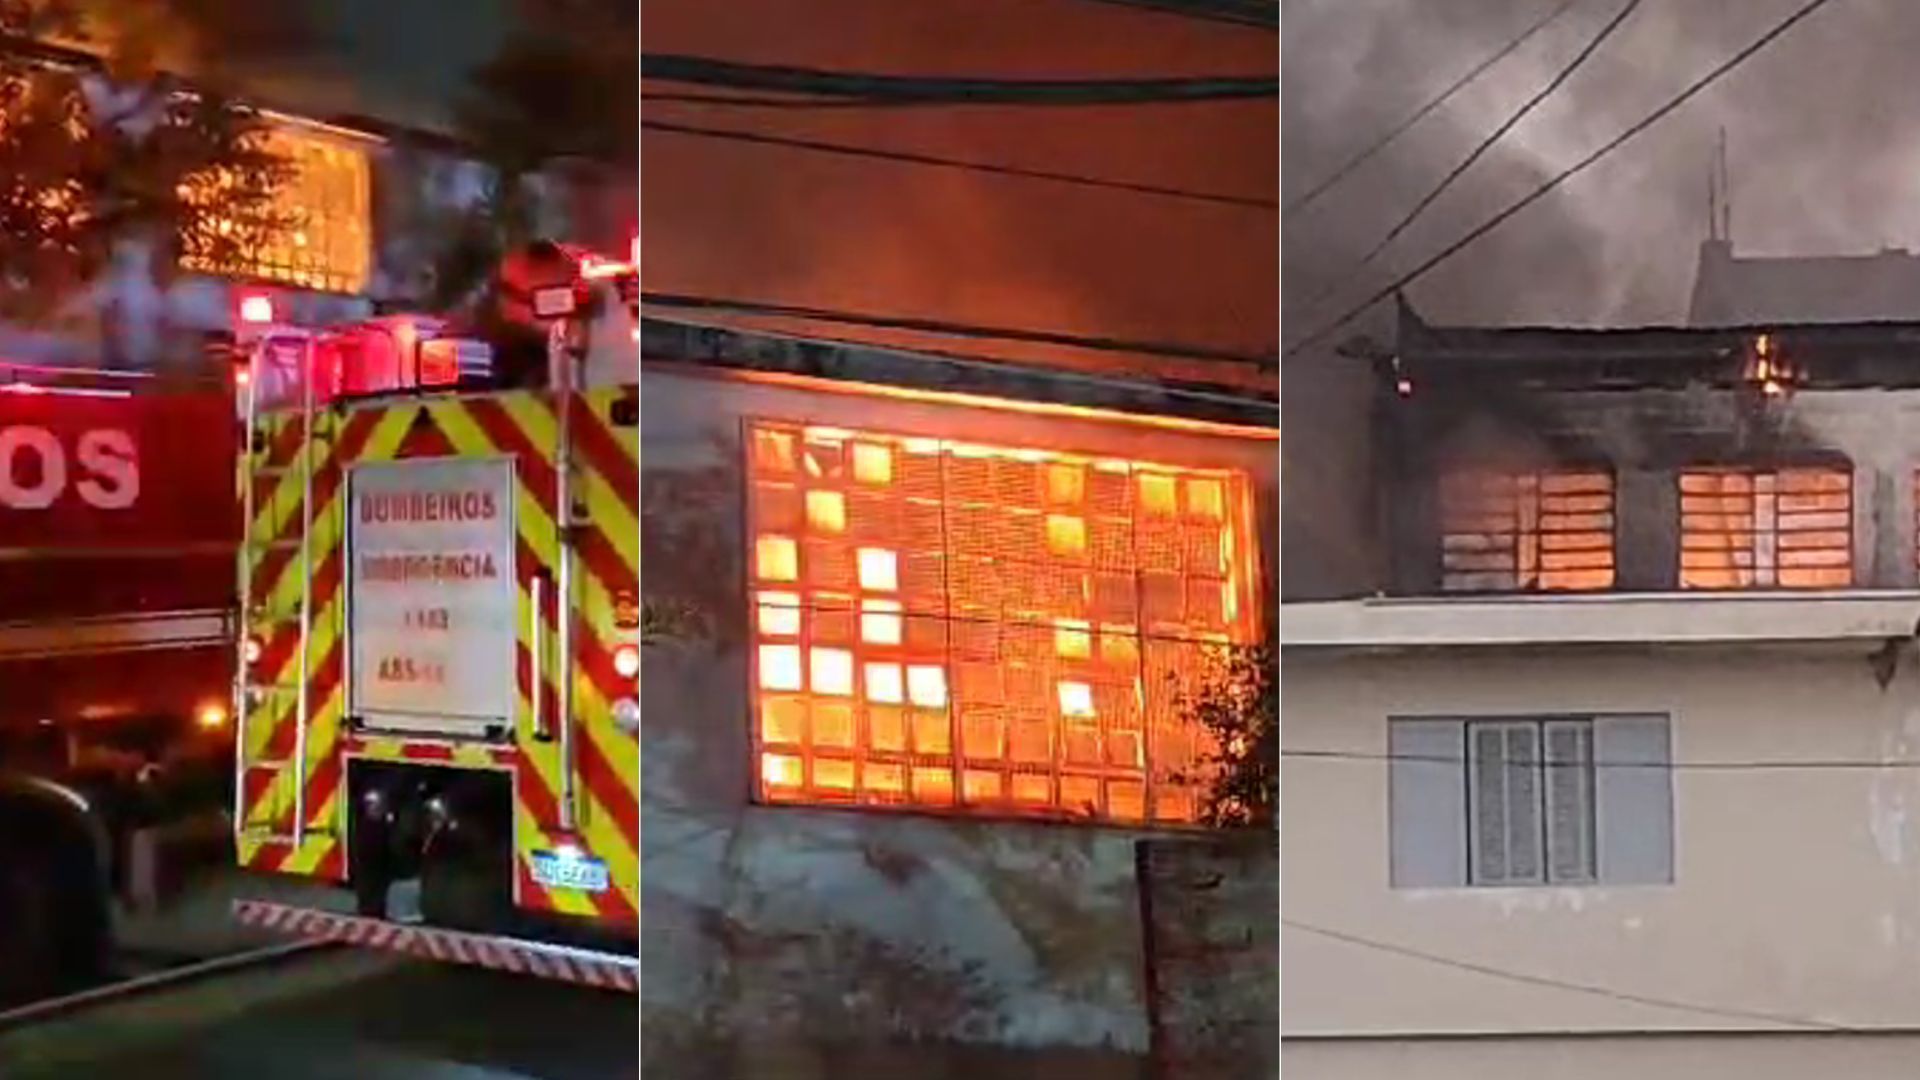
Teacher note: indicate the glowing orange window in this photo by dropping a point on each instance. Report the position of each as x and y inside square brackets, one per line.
[987, 629]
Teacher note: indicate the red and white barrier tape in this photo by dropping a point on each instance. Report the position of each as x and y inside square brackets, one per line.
[605, 971]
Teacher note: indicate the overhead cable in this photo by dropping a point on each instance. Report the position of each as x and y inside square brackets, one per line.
[956, 329]
[1373, 148]
[1261, 13]
[991, 168]
[944, 90]
[1485, 145]
[1594, 989]
[1562, 177]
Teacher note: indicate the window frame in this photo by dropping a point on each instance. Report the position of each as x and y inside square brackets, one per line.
[1528, 539]
[1544, 850]
[1245, 571]
[331, 281]
[1765, 578]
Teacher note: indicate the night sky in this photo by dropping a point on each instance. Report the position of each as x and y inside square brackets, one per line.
[788, 225]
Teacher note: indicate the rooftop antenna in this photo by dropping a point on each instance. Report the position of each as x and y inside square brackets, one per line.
[1713, 196]
[1726, 191]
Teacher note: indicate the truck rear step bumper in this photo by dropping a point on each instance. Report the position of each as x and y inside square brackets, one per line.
[607, 971]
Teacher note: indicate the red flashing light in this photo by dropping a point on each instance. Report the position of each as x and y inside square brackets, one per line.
[257, 310]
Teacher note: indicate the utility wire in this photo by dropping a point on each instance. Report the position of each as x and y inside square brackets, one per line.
[1485, 145]
[1001, 365]
[1594, 989]
[1421, 113]
[1778, 765]
[991, 168]
[757, 102]
[1261, 13]
[1569, 173]
[941, 90]
[954, 329]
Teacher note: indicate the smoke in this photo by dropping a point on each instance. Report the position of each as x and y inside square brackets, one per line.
[733, 220]
[1822, 150]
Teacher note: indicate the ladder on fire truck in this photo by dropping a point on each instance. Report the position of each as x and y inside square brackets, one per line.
[257, 464]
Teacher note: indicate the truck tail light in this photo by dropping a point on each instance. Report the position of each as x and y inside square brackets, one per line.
[626, 660]
[253, 648]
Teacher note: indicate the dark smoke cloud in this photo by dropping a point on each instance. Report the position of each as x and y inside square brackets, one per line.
[1823, 148]
[1825, 159]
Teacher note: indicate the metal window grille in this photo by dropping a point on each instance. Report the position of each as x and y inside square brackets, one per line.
[954, 626]
[1533, 531]
[1743, 529]
[327, 200]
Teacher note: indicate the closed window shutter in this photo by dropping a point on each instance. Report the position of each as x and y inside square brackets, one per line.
[1523, 802]
[1569, 801]
[1504, 793]
[1427, 803]
[1633, 799]
[1489, 803]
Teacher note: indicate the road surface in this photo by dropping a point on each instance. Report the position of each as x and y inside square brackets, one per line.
[338, 1013]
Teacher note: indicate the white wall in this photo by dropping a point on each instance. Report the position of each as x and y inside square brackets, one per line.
[1796, 892]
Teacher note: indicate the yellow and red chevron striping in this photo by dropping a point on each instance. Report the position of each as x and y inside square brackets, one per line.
[521, 425]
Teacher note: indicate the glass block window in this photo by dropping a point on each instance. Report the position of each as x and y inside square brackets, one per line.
[955, 626]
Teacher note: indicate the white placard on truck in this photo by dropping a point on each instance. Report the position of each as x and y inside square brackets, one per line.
[432, 595]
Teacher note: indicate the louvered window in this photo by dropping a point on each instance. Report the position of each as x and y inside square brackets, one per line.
[1518, 532]
[1743, 529]
[1530, 801]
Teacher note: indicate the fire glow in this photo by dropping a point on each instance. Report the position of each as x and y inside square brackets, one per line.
[963, 626]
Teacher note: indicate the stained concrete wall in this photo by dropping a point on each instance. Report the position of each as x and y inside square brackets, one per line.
[781, 925]
[1794, 892]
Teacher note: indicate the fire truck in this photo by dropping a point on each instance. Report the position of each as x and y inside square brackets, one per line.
[117, 539]
[437, 656]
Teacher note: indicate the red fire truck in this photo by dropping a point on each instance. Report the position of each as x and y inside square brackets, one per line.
[450, 746]
[117, 538]
[437, 706]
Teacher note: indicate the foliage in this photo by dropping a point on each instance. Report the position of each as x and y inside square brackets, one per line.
[87, 163]
[562, 87]
[1238, 705]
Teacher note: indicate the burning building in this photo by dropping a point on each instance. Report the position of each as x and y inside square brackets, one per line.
[939, 617]
[1617, 770]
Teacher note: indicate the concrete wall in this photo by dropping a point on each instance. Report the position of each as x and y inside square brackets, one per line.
[1665, 1057]
[1212, 939]
[1646, 436]
[836, 926]
[1794, 892]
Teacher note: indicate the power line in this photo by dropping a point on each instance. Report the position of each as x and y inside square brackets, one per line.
[942, 90]
[991, 168]
[1421, 113]
[1567, 174]
[1239, 12]
[755, 102]
[1487, 143]
[1756, 765]
[955, 329]
[1725, 1012]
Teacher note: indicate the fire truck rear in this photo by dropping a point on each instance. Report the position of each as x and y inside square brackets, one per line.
[437, 699]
